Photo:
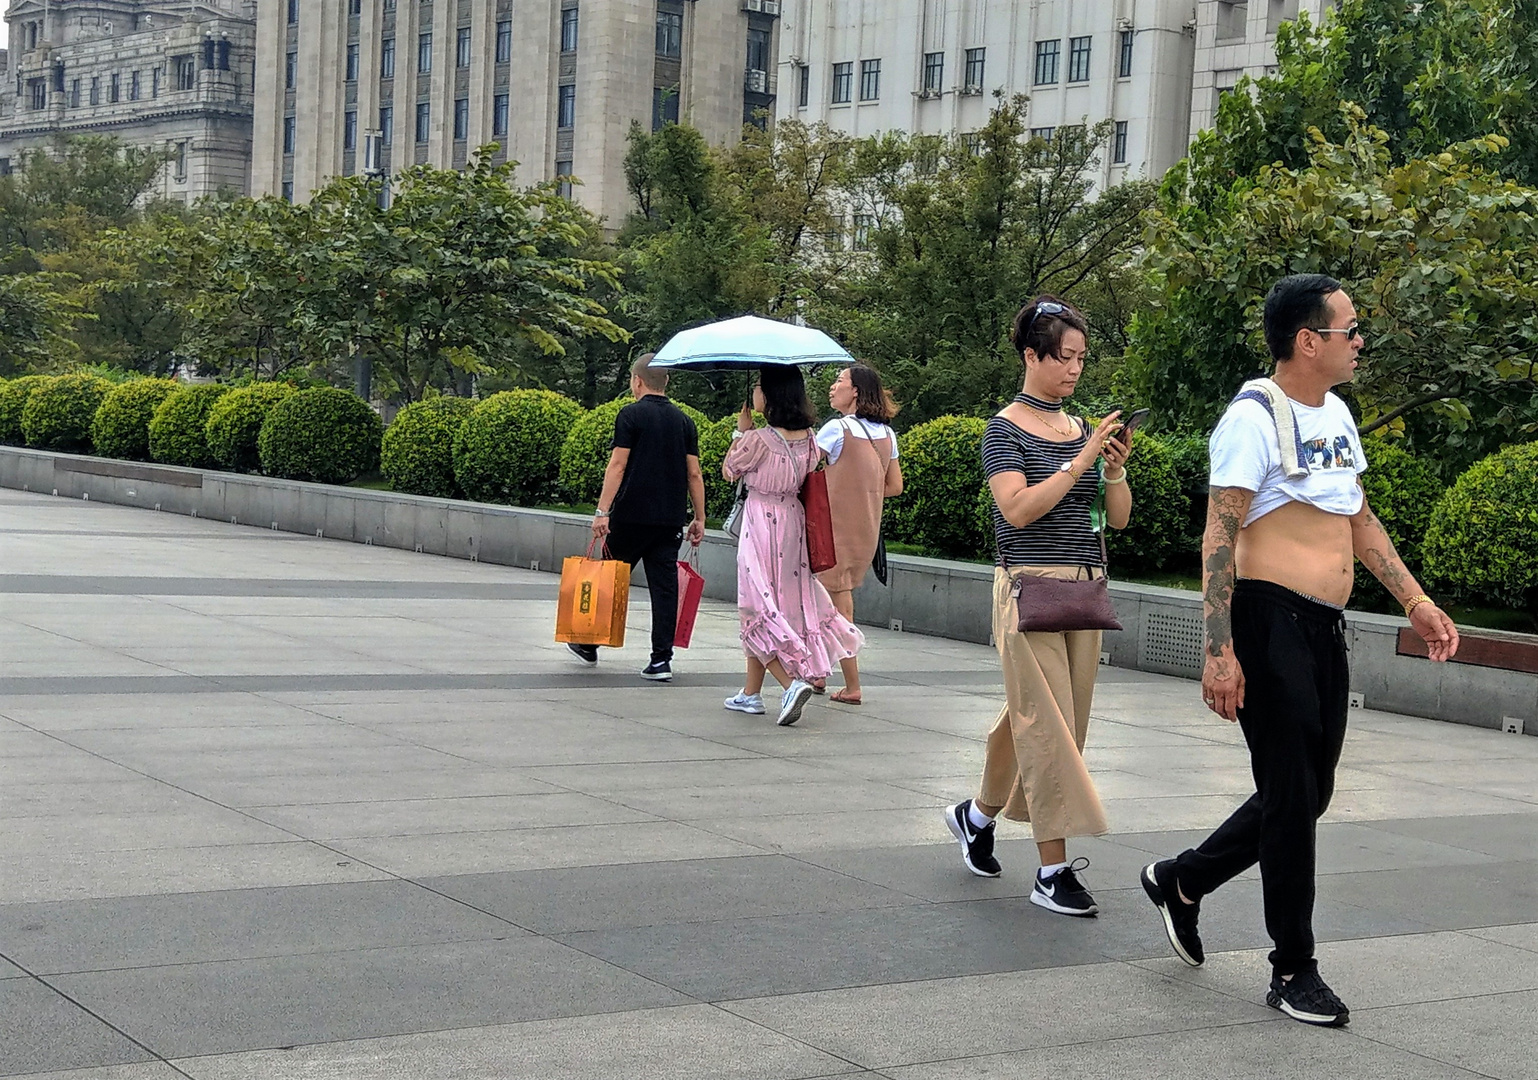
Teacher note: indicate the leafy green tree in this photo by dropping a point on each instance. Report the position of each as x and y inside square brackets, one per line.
[36, 315]
[99, 178]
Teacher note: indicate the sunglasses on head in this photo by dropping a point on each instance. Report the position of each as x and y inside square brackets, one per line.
[1352, 332]
[1046, 307]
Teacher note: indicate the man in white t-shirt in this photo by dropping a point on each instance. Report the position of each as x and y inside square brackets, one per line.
[1286, 517]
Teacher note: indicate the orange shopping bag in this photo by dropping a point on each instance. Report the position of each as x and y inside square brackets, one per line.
[691, 586]
[595, 598]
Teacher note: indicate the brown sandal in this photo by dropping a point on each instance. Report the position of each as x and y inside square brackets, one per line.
[844, 697]
[819, 686]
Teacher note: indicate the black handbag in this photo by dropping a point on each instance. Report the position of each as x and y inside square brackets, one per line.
[878, 561]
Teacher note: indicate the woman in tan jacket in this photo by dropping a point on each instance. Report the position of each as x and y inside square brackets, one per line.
[863, 471]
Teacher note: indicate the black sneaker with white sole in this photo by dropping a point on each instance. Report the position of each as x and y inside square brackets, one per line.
[1306, 998]
[1064, 893]
[658, 671]
[1179, 917]
[976, 844]
[588, 654]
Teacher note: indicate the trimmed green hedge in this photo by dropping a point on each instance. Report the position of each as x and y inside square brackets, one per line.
[178, 430]
[417, 456]
[715, 441]
[942, 463]
[508, 450]
[235, 423]
[1402, 491]
[323, 434]
[585, 454]
[59, 413]
[1188, 454]
[122, 425]
[14, 395]
[1482, 542]
[1160, 510]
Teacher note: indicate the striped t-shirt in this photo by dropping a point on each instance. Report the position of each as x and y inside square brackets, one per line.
[1061, 536]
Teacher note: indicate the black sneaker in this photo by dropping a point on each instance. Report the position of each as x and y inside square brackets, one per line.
[658, 671]
[1305, 997]
[1179, 917]
[976, 844]
[1064, 893]
[588, 654]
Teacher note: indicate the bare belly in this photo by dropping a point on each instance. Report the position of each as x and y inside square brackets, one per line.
[1301, 547]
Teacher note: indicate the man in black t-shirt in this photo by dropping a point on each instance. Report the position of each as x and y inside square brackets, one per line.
[652, 479]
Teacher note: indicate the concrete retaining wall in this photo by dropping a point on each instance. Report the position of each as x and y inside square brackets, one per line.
[1163, 630]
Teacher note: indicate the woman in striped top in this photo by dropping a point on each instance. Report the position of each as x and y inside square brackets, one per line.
[1045, 470]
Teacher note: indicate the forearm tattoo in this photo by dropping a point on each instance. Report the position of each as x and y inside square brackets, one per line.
[1225, 513]
[1382, 559]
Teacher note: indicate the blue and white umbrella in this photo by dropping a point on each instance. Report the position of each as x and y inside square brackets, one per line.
[749, 341]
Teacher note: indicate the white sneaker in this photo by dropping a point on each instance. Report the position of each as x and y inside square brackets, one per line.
[793, 701]
[748, 703]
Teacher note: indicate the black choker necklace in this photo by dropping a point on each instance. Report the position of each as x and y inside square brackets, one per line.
[1038, 403]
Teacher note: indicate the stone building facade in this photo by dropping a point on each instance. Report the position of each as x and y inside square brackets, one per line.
[355, 85]
[934, 66]
[1235, 38]
[170, 74]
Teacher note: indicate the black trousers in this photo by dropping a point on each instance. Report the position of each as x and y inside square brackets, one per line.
[656, 546]
[1296, 692]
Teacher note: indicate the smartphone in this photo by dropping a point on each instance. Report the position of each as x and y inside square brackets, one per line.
[1129, 425]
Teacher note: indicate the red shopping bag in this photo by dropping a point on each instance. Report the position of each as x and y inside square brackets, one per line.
[691, 587]
[819, 521]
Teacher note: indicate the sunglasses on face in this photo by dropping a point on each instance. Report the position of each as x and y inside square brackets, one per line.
[1352, 332]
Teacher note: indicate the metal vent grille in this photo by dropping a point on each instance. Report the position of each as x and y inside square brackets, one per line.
[1172, 644]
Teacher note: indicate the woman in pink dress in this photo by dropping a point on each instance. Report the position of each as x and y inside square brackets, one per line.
[790, 628]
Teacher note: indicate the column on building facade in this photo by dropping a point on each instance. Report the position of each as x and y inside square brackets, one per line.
[440, 151]
[267, 93]
[483, 67]
[613, 90]
[366, 101]
[714, 69]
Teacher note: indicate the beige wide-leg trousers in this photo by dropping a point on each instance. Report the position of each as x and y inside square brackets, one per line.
[1034, 767]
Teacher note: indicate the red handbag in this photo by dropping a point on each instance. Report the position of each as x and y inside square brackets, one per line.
[819, 519]
[691, 587]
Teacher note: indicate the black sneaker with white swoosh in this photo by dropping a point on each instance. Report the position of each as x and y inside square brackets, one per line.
[1064, 893]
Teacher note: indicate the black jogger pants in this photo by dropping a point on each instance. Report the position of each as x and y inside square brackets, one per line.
[657, 547]
[1296, 692]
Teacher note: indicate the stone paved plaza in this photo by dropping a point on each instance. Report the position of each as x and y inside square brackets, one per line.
[274, 807]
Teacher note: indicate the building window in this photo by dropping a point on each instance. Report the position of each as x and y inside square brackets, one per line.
[504, 41]
[288, 191]
[350, 131]
[1046, 62]
[115, 89]
[972, 142]
[974, 72]
[461, 118]
[563, 169]
[179, 162]
[843, 83]
[934, 72]
[870, 80]
[293, 12]
[133, 86]
[664, 106]
[670, 34]
[1124, 63]
[1119, 144]
[1078, 59]
[758, 52]
[569, 29]
[804, 91]
[499, 113]
[387, 58]
[387, 125]
[39, 92]
[462, 48]
[290, 71]
[224, 54]
[95, 89]
[74, 94]
[425, 53]
[1043, 133]
[863, 225]
[424, 120]
[290, 134]
[355, 7]
[566, 107]
[186, 73]
[155, 78]
[352, 62]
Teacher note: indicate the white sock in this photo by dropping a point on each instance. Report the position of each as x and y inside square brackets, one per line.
[1048, 871]
[978, 819]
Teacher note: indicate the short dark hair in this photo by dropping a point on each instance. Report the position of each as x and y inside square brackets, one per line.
[1297, 302]
[785, 402]
[872, 401]
[1043, 334]
[652, 378]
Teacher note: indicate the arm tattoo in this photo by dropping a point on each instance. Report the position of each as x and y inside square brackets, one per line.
[1225, 513]
[1381, 558]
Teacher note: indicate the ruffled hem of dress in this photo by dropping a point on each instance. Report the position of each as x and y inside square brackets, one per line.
[770, 637]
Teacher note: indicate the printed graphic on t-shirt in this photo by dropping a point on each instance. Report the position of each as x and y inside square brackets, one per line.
[1324, 454]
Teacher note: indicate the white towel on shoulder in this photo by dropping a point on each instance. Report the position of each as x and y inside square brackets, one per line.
[1276, 402]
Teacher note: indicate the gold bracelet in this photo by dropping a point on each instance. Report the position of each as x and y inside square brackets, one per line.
[1414, 602]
